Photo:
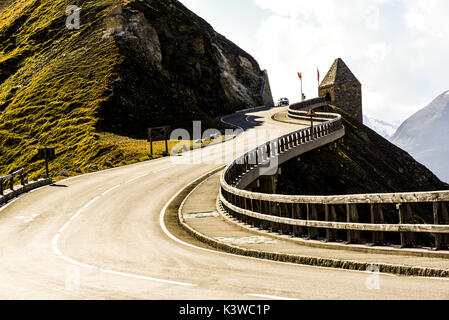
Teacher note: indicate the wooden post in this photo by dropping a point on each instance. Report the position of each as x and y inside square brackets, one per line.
[445, 220]
[151, 146]
[251, 208]
[377, 217]
[297, 231]
[330, 215]
[440, 216]
[288, 213]
[405, 213]
[352, 216]
[312, 215]
[436, 219]
[273, 212]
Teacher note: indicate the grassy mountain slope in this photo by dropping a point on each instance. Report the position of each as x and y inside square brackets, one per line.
[47, 97]
[133, 64]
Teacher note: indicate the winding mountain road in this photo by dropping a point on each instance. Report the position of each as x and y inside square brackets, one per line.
[105, 236]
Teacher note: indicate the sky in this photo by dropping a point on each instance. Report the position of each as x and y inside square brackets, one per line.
[398, 49]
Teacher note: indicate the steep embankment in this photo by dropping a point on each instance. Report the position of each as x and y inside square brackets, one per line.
[364, 163]
[426, 136]
[132, 65]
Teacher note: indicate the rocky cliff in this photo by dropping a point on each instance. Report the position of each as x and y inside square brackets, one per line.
[133, 64]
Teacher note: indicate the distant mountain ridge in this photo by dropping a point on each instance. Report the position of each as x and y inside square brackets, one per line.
[425, 135]
[384, 128]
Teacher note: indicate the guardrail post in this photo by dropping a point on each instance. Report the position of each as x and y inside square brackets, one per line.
[11, 183]
[407, 238]
[286, 229]
[271, 212]
[352, 216]
[264, 209]
[1, 186]
[312, 215]
[330, 215]
[258, 223]
[440, 216]
[297, 214]
[377, 217]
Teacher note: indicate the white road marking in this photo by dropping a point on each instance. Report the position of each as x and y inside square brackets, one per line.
[58, 252]
[28, 219]
[147, 174]
[110, 190]
[129, 275]
[136, 178]
[163, 169]
[270, 297]
[250, 121]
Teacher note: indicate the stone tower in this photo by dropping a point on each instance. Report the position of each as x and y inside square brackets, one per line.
[343, 89]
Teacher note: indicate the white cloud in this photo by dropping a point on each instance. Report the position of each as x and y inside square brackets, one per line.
[377, 52]
[394, 48]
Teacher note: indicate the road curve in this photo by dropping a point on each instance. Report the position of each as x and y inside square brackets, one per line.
[99, 236]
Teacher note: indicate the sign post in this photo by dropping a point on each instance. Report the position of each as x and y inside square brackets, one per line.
[311, 113]
[46, 154]
[158, 133]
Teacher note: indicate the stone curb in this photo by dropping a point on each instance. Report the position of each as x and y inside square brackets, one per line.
[23, 189]
[298, 259]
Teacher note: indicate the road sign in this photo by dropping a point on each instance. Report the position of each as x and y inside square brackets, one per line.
[46, 154]
[158, 133]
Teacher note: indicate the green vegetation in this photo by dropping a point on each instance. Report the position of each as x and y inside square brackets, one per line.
[52, 83]
[85, 93]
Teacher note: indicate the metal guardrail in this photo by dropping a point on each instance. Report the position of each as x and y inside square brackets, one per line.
[11, 177]
[328, 216]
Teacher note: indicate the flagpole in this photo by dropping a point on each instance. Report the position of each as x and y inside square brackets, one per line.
[302, 96]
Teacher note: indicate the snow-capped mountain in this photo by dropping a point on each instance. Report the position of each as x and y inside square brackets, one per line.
[383, 128]
[425, 135]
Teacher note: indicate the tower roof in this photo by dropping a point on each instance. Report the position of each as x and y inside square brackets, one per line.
[339, 73]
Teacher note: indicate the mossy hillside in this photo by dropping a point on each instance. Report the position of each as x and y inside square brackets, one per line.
[69, 88]
[62, 77]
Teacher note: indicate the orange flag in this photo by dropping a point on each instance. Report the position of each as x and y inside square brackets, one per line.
[300, 75]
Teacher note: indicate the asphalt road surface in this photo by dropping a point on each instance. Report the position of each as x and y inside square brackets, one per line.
[104, 236]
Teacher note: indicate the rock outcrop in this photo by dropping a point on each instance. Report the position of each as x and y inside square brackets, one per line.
[176, 68]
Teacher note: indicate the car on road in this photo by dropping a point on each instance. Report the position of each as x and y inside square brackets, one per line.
[283, 102]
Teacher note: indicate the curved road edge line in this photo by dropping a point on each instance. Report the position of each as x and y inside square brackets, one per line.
[68, 259]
